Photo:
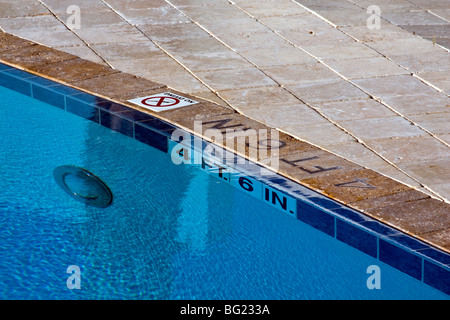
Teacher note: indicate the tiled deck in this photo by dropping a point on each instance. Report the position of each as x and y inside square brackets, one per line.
[309, 68]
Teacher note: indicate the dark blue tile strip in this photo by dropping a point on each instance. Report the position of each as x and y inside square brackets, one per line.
[13, 83]
[82, 109]
[116, 123]
[315, 217]
[372, 237]
[357, 238]
[152, 138]
[400, 259]
[48, 96]
[436, 277]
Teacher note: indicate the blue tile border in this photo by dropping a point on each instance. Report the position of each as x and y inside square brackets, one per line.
[409, 255]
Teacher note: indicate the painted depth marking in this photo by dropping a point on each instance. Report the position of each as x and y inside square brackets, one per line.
[163, 101]
[239, 180]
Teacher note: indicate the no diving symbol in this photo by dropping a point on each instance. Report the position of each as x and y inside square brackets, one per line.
[161, 102]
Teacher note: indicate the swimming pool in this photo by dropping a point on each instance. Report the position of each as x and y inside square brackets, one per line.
[170, 232]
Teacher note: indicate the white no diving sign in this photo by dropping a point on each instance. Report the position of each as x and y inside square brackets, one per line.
[163, 101]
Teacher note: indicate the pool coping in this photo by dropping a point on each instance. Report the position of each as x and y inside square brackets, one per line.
[373, 213]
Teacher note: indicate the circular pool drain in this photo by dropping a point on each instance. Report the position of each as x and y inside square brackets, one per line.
[83, 186]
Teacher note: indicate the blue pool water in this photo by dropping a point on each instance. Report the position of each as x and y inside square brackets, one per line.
[172, 231]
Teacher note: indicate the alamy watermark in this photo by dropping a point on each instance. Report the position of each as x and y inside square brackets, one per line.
[74, 280]
[374, 280]
[374, 20]
[74, 20]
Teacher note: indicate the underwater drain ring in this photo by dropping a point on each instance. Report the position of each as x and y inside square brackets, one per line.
[101, 199]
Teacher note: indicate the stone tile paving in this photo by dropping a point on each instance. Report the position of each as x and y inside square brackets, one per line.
[311, 68]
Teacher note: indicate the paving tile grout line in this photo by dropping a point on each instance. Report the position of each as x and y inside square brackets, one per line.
[347, 80]
[71, 30]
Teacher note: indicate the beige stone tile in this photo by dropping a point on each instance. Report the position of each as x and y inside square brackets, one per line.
[301, 73]
[60, 6]
[182, 81]
[156, 63]
[83, 52]
[158, 15]
[423, 62]
[254, 41]
[400, 18]
[410, 104]
[260, 9]
[381, 128]
[243, 99]
[212, 60]
[51, 38]
[11, 9]
[348, 17]
[235, 79]
[221, 11]
[121, 5]
[111, 34]
[232, 26]
[436, 123]
[324, 91]
[213, 97]
[125, 51]
[404, 46]
[284, 116]
[320, 134]
[389, 32]
[383, 87]
[366, 67]
[193, 46]
[410, 149]
[294, 22]
[429, 173]
[389, 5]
[32, 23]
[397, 175]
[316, 35]
[392, 199]
[277, 56]
[439, 79]
[354, 109]
[168, 32]
[181, 3]
[442, 190]
[444, 137]
[357, 153]
[339, 51]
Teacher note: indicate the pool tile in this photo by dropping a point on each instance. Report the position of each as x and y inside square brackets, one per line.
[400, 259]
[10, 42]
[48, 96]
[316, 218]
[436, 276]
[418, 217]
[117, 85]
[158, 125]
[151, 138]
[390, 199]
[31, 57]
[355, 185]
[70, 71]
[15, 84]
[84, 97]
[116, 123]
[356, 238]
[82, 109]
